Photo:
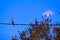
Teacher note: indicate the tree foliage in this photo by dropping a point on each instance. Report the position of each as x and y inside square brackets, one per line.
[40, 31]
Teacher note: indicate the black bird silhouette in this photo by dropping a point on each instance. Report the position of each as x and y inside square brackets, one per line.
[12, 21]
[36, 21]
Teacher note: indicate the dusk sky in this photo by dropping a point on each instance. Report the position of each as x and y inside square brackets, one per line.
[24, 11]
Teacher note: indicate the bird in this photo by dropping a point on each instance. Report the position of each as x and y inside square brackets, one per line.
[12, 21]
[36, 21]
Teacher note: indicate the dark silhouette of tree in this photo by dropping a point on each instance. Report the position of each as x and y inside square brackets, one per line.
[57, 33]
[39, 31]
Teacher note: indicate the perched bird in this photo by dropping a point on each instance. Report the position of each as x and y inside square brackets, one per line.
[36, 21]
[12, 21]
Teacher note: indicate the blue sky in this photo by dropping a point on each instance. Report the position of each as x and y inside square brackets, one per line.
[24, 11]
